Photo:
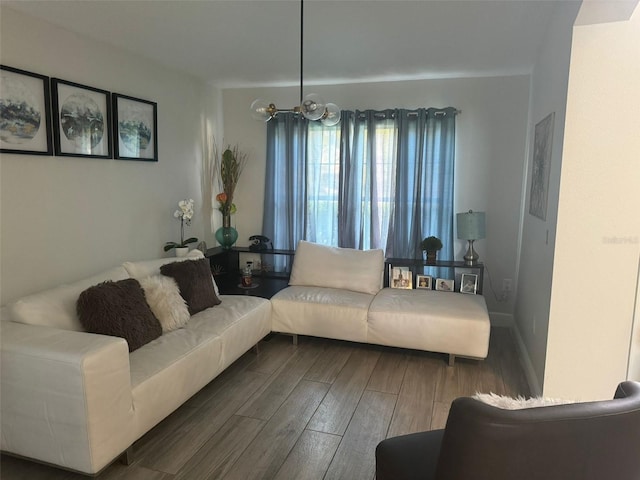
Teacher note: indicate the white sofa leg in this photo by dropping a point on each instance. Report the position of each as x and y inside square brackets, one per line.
[295, 339]
[256, 348]
[452, 359]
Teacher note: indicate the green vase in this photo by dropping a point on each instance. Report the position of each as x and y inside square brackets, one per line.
[226, 235]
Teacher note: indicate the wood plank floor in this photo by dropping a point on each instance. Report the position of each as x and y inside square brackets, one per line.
[312, 411]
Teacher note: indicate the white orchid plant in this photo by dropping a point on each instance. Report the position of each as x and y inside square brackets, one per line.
[185, 214]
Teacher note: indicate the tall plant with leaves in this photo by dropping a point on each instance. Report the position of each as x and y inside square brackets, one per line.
[229, 165]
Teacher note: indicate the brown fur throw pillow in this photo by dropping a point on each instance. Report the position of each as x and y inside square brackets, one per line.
[194, 280]
[119, 309]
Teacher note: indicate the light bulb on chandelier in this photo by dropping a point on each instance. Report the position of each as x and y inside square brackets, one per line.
[312, 106]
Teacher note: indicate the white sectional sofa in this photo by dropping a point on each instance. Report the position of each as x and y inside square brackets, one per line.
[337, 293]
[79, 400]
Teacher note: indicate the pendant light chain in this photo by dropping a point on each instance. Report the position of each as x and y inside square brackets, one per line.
[301, 47]
[312, 107]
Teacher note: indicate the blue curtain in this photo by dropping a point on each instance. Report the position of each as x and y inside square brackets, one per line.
[380, 179]
[284, 215]
[424, 182]
[367, 178]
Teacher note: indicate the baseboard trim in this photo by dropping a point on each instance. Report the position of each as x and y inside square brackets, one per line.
[529, 371]
[499, 319]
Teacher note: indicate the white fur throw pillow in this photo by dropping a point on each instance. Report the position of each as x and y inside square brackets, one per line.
[146, 268]
[163, 296]
[509, 403]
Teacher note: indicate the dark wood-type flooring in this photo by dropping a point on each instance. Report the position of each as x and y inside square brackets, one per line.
[312, 411]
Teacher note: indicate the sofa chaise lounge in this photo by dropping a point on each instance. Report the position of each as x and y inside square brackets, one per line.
[337, 293]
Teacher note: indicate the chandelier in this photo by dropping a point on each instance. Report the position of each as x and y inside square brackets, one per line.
[311, 106]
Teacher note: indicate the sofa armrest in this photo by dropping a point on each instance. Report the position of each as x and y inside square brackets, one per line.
[65, 396]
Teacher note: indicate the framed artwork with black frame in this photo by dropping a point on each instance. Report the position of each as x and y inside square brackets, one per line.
[25, 112]
[542, 143]
[81, 120]
[135, 123]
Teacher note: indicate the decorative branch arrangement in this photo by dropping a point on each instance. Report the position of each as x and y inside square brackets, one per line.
[229, 166]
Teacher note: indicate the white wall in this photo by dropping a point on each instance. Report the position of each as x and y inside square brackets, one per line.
[491, 136]
[548, 94]
[64, 218]
[598, 234]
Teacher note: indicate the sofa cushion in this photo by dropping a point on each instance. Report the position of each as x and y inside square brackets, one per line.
[163, 296]
[332, 267]
[56, 307]
[146, 268]
[119, 309]
[429, 320]
[195, 283]
[321, 312]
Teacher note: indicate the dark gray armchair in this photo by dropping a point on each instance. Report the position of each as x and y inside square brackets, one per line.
[580, 441]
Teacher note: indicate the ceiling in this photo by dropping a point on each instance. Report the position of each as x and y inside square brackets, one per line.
[238, 43]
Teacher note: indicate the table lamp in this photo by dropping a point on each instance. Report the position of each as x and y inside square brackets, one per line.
[471, 228]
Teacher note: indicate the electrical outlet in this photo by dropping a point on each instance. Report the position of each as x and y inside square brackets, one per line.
[506, 285]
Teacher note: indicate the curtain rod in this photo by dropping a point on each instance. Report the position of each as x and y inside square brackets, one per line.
[440, 113]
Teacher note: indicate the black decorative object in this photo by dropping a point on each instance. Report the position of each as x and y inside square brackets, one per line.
[136, 128]
[81, 120]
[260, 243]
[25, 113]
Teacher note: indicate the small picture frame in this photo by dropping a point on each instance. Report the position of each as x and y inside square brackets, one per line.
[135, 126]
[469, 283]
[444, 285]
[25, 112]
[401, 277]
[424, 281]
[81, 120]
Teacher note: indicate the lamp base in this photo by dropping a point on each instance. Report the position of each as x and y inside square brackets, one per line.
[471, 257]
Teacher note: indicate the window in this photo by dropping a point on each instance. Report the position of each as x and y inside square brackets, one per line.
[379, 179]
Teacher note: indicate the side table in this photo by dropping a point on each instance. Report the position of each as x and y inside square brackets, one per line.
[225, 266]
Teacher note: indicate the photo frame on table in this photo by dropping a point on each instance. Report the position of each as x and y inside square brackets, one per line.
[25, 112]
[401, 277]
[81, 120]
[469, 283]
[424, 281]
[444, 285]
[135, 126]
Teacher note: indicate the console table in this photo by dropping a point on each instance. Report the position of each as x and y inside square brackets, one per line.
[440, 268]
[226, 268]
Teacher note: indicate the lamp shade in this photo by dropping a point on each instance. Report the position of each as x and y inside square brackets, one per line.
[470, 225]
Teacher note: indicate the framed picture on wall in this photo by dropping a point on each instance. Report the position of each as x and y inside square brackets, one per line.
[25, 112]
[81, 120]
[469, 283]
[542, 143]
[135, 123]
[423, 281]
